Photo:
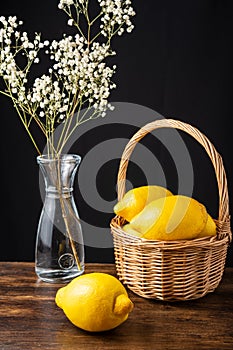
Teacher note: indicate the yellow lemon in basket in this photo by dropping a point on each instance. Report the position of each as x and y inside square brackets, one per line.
[95, 302]
[171, 218]
[209, 229]
[135, 200]
[129, 229]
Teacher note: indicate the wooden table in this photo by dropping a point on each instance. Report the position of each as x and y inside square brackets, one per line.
[30, 319]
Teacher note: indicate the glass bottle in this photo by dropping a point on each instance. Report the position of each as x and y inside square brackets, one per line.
[59, 251]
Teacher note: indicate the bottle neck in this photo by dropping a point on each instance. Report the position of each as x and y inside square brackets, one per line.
[54, 192]
[58, 174]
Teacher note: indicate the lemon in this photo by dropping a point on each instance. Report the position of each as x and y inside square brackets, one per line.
[95, 302]
[171, 218]
[135, 200]
[129, 229]
[209, 229]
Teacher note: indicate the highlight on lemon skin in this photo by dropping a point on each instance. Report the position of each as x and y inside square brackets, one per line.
[137, 198]
[129, 229]
[95, 302]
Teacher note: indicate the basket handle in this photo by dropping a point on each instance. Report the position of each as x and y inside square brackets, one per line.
[202, 139]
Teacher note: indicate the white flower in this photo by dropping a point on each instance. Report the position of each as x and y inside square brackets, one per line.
[78, 76]
[64, 3]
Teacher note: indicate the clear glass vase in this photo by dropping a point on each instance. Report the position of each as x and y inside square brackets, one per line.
[59, 253]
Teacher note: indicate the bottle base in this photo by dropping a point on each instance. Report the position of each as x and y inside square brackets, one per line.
[56, 275]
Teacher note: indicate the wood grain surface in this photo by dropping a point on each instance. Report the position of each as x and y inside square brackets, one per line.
[30, 319]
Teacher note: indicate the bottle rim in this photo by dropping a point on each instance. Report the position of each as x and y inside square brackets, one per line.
[66, 157]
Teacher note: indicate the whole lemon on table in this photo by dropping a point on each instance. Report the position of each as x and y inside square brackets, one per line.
[95, 302]
[171, 218]
[135, 200]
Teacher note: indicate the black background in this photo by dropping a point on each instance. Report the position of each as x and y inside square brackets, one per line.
[178, 61]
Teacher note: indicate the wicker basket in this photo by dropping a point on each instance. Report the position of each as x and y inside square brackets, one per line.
[172, 270]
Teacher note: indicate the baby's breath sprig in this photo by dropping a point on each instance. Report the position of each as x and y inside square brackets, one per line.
[78, 76]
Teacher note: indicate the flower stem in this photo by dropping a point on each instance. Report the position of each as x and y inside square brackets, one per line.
[65, 216]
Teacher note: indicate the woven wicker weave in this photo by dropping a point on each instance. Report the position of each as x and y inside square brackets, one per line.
[172, 270]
